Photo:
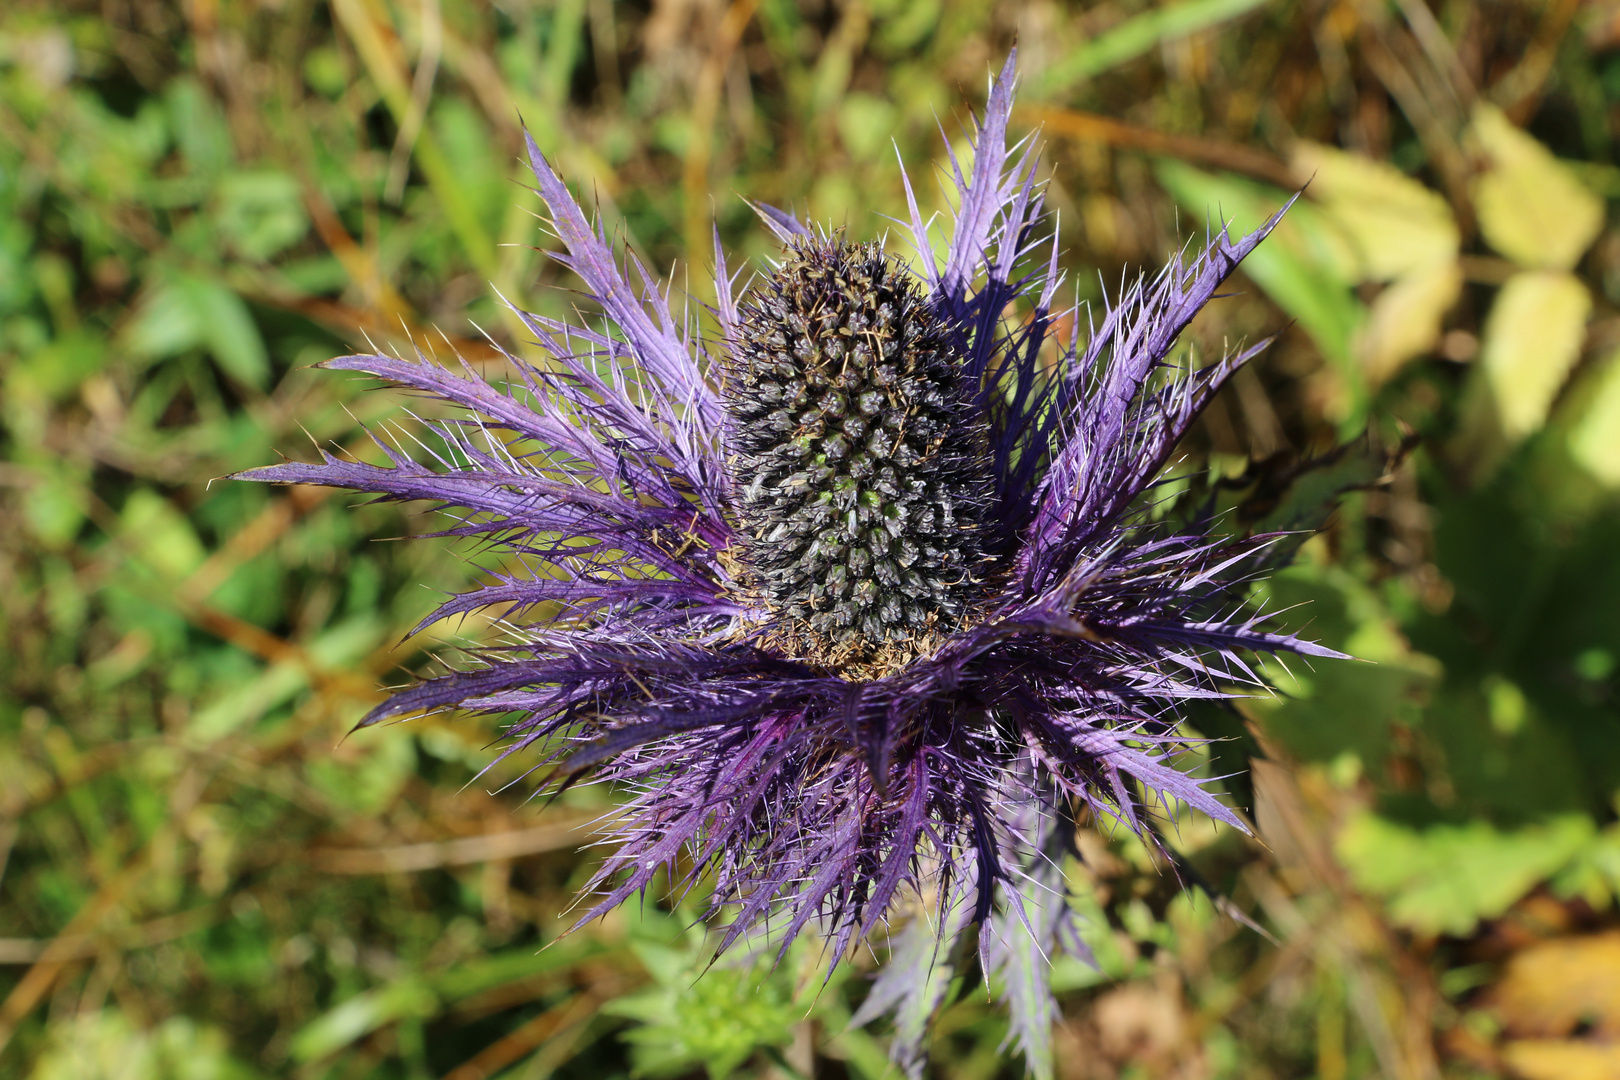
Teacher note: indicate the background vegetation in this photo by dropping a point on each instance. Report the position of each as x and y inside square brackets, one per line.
[200, 877]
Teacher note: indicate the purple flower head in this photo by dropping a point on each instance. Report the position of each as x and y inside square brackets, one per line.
[861, 597]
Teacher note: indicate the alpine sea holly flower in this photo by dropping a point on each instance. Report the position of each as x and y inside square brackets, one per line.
[862, 596]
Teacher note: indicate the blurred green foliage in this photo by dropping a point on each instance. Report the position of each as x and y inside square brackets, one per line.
[201, 877]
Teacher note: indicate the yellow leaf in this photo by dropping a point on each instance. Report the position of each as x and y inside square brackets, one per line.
[1554, 987]
[1559, 1059]
[1394, 224]
[1404, 321]
[1595, 442]
[1533, 337]
[1531, 207]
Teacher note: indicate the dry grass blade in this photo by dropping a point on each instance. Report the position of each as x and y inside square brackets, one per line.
[84, 946]
[1217, 153]
[522, 1040]
[467, 851]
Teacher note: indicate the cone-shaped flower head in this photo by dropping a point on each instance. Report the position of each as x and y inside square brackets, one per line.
[860, 596]
[861, 460]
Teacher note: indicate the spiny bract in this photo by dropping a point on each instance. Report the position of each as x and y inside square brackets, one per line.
[869, 604]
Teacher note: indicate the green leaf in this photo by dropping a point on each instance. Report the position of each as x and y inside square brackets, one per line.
[316, 274]
[362, 1014]
[245, 701]
[717, 1018]
[1594, 875]
[167, 321]
[515, 965]
[231, 334]
[1296, 497]
[866, 123]
[199, 127]
[417, 996]
[1397, 231]
[58, 370]
[106, 1046]
[1595, 441]
[901, 28]
[184, 312]
[16, 284]
[159, 535]
[260, 213]
[1446, 879]
[54, 510]
[1325, 710]
[361, 784]
[700, 1012]
[326, 71]
[481, 173]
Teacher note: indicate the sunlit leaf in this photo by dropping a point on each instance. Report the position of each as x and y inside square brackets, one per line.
[199, 126]
[1447, 878]
[105, 1045]
[715, 1022]
[1304, 267]
[1531, 208]
[1562, 1059]
[1553, 988]
[1595, 442]
[1533, 337]
[160, 536]
[16, 284]
[1395, 225]
[231, 334]
[866, 124]
[1594, 877]
[1327, 711]
[166, 323]
[1405, 320]
[368, 779]
[54, 509]
[57, 370]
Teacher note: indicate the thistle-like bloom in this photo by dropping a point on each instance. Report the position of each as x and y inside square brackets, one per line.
[847, 598]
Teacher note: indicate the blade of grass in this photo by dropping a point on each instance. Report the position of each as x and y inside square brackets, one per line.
[1135, 36]
[379, 51]
[706, 101]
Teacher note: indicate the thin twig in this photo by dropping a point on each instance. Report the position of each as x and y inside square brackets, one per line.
[465, 851]
[1216, 153]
